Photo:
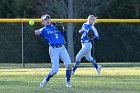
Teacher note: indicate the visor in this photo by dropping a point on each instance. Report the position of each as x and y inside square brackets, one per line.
[45, 17]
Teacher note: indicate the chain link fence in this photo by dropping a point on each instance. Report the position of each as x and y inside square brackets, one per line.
[119, 42]
[20, 44]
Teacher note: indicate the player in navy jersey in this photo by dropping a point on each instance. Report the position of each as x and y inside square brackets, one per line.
[86, 44]
[57, 49]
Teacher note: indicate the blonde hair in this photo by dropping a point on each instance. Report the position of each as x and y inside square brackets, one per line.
[93, 17]
[90, 16]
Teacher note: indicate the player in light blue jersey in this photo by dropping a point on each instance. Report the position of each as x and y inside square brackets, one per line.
[86, 44]
[57, 49]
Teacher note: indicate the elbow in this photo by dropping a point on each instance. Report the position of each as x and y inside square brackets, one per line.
[96, 38]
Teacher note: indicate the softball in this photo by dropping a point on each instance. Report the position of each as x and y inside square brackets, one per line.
[31, 22]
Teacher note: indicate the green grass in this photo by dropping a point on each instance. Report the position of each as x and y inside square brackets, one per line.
[48, 65]
[112, 80]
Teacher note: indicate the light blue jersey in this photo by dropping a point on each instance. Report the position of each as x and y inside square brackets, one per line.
[86, 43]
[85, 28]
[52, 36]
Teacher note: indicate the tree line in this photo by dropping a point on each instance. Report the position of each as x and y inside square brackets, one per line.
[118, 42]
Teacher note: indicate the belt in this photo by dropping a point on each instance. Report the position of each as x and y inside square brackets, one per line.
[57, 46]
[86, 41]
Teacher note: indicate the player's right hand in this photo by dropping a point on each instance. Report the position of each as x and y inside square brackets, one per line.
[37, 32]
[81, 31]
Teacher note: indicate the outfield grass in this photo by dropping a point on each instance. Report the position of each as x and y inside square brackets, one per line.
[48, 65]
[112, 80]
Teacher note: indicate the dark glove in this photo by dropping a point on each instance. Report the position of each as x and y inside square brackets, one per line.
[90, 35]
[59, 26]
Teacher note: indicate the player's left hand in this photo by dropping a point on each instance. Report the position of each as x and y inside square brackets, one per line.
[59, 26]
[90, 35]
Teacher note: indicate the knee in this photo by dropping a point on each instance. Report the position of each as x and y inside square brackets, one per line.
[93, 61]
[90, 58]
[69, 67]
[76, 64]
[53, 72]
[78, 59]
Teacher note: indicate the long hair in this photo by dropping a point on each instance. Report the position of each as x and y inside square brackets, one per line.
[93, 18]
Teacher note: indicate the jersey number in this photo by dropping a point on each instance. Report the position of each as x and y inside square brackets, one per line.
[56, 35]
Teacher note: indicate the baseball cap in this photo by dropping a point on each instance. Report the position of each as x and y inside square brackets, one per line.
[44, 17]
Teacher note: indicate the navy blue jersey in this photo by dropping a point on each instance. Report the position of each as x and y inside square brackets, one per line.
[51, 35]
[85, 28]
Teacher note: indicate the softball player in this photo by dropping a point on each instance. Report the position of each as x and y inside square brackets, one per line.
[86, 45]
[57, 49]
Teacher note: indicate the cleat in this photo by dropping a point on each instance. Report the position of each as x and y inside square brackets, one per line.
[68, 85]
[43, 83]
[72, 73]
[98, 70]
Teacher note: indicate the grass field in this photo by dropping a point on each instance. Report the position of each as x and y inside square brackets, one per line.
[113, 79]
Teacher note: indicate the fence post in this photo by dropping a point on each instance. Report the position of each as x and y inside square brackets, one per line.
[23, 65]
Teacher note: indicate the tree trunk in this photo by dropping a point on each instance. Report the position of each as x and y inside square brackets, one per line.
[70, 31]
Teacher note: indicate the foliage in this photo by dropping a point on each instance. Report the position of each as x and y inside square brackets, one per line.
[116, 40]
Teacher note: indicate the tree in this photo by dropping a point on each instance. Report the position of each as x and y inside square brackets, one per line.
[20, 8]
[109, 32]
[70, 30]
